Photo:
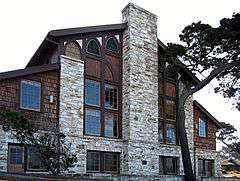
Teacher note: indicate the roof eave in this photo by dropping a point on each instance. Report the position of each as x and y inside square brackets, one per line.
[215, 121]
[29, 71]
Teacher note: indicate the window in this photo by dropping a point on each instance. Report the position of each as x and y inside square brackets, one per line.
[112, 45]
[168, 165]
[111, 125]
[167, 110]
[111, 96]
[205, 167]
[171, 135]
[102, 162]
[92, 92]
[102, 90]
[73, 50]
[16, 155]
[160, 132]
[92, 122]
[202, 128]
[93, 161]
[170, 110]
[30, 95]
[34, 161]
[93, 47]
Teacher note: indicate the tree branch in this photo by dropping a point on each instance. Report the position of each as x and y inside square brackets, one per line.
[212, 75]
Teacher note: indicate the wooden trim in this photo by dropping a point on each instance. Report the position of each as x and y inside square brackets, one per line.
[29, 71]
[102, 82]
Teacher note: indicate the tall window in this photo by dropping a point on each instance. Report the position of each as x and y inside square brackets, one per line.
[30, 95]
[102, 162]
[168, 165]
[167, 108]
[102, 86]
[72, 50]
[202, 128]
[205, 167]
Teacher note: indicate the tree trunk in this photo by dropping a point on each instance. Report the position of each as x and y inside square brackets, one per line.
[182, 135]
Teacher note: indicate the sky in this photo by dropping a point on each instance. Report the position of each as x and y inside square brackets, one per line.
[25, 23]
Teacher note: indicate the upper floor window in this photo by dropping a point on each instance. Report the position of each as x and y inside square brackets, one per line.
[30, 95]
[112, 45]
[72, 50]
[168, 165]
[93, 47]
[202, 128]
[205, 167]
[102, 95]
[167, 110]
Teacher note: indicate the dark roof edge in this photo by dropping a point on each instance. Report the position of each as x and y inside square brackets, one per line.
[87, 29]
[215, 121]
[182, 66]
[28, 71]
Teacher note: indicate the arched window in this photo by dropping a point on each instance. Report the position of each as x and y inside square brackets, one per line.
[73, 50]
[112, 45]
[93, 47]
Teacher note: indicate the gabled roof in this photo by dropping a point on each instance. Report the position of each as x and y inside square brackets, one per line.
[28, 71]
[213, 119]
[52, 39]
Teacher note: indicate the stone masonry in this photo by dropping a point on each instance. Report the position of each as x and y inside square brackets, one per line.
[139, 107]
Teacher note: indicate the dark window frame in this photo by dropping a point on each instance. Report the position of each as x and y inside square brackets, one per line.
[175, 161]
[102, 162]
[162, 98]
[117, 44]
[27, 161]
[103, 81]
[99, 47]
[204, 167]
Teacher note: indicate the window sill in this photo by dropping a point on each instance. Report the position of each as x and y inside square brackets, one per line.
[103, 138]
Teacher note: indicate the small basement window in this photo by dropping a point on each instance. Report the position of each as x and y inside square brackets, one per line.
[30, 95]
[168, 165]
[16, 155]
[34, 161]
[104, 162]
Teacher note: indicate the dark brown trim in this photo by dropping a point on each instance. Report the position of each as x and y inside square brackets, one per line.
[87, 29]
[212, 118]
[184, 71]
[28, 71]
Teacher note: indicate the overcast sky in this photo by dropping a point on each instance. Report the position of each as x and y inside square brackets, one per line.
[25, 23]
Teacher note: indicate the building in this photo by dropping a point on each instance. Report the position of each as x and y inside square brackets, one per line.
[107, 89]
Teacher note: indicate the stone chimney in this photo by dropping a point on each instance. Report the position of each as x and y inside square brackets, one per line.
[140, 90]
[140, 74]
